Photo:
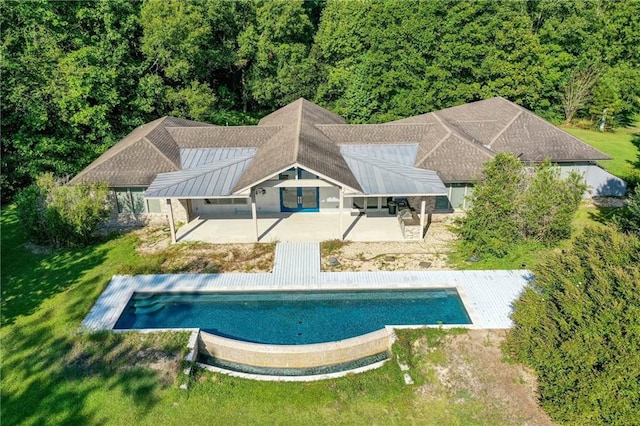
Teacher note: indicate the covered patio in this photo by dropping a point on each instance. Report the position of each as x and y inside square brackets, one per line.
[291, 227]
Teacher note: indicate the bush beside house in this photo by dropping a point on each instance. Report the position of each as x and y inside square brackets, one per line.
[62, 215]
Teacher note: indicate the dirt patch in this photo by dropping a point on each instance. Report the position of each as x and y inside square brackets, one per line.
[161, 256]
[431, 253]
[470, 366]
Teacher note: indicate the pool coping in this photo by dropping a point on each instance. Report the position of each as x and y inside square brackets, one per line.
[487, 297]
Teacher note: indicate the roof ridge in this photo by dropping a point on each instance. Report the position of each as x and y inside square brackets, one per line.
[532, 114]
[391, 123]
[505, 127]
[436, 146]
[159, 151]
[264, 126]
[296, 145]
[464, 136]
[440, 142]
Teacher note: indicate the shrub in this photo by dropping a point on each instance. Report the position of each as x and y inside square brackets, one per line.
[62, 215]
[629, 221]
[578, 326]
[515, 204]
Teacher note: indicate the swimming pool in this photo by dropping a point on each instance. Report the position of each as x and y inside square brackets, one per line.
[293, 318]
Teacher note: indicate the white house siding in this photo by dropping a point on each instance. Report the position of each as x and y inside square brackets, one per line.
[269, 202]
[600, 183]
[330, 199]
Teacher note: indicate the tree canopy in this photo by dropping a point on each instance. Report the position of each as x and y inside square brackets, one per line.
[515, 204]
[78, 76]
[578, 326]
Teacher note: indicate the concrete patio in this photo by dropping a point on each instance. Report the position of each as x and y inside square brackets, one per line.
[291, 227]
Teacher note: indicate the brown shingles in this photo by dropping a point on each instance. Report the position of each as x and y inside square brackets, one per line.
[222, 137]
[456, 160]
[536, 140]
[298, 142]
[136, 165]
[126, 161]
[455, 142]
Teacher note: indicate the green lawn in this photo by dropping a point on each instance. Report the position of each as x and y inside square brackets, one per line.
[618, 145]
[53, 375]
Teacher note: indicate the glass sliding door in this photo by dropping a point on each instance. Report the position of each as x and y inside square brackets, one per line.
[299, 199]
[289, 199]
[309, 199]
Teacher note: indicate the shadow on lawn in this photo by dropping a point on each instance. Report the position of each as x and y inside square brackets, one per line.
[29, 279]
[605, 215]
[56, 377]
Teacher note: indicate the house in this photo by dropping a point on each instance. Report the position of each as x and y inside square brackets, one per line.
[304, 158]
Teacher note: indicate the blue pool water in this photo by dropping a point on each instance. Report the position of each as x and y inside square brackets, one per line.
[293, 318]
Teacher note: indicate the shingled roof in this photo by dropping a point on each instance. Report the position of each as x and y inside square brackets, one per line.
[454, 142]
[140, 156]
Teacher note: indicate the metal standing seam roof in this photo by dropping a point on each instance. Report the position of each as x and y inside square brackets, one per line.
[400, 153]
[455, 142]
[215, 173]
[382, 177]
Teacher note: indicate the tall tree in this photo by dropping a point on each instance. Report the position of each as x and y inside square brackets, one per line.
[69, 70]
[274, 52]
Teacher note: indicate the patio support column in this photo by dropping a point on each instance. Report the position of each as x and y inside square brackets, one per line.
[172, 225]
[254, 212]
[341, 219]
[423, 206]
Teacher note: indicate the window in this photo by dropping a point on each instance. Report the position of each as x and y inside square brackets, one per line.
[442, 204]
[358, 203]
[372, 203]
[458, 193]
[153, 206]
[225, 201]
[131, 201]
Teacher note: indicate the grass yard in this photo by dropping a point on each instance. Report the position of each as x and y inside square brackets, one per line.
[622, 146]
[53, 375]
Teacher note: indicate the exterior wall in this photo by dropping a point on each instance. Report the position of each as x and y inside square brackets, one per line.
[330, 199]
[123, 221]
[269, 202]
[600, 183]
[199, 207]
[295, 356]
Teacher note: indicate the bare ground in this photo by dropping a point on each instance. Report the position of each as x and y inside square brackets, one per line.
[471, 366]
[204, 257]
[430, 253]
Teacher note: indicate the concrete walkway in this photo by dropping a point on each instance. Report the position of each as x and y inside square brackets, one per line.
[487, 295]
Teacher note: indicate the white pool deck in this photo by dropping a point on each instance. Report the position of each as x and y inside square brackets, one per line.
[487, 294]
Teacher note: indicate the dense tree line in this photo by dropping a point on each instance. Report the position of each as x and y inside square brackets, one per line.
[578, 327]
[77, 76]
